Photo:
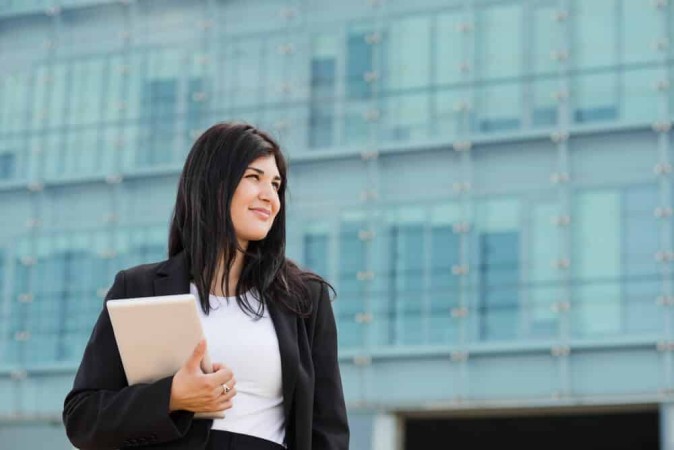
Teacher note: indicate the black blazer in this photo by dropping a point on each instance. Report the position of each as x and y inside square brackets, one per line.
[103, 412]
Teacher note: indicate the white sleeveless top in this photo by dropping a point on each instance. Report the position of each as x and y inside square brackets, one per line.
[250, 348]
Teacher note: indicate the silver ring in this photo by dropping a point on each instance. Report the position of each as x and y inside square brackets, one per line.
[225, 389]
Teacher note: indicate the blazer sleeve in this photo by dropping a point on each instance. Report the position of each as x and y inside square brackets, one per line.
[330, 428]
[102, 411]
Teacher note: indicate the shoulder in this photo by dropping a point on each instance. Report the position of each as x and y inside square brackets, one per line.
[143, 270]
[135, 280]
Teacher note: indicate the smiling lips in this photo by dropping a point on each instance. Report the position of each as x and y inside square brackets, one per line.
[262, 213]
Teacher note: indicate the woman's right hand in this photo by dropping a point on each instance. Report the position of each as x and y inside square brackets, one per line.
[193, 390]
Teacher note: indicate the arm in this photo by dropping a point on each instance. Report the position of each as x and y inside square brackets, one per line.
[102, 411]
[330, 428]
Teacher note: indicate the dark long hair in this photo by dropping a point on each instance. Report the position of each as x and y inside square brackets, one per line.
[202, 226]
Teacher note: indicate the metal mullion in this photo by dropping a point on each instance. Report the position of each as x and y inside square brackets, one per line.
[564, 194]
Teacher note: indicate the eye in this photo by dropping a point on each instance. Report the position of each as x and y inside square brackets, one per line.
[277, 186]
[253, 175]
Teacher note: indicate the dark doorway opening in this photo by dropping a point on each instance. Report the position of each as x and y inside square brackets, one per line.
[551, 431]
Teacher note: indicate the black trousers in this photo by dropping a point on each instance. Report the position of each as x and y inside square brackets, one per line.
[226, 440]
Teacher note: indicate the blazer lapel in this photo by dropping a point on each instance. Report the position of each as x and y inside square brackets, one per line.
[173, 278]
[285, 323]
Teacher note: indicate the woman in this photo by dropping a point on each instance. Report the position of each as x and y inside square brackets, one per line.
[268, 323]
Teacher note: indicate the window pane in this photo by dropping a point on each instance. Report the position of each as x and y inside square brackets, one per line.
[544, 113]
[596, 263]
[448, 120]
[406, 117]
[544, 280]
[59, 102]
[408, 53]
[352, 261]
[501, 35]
[316, 253]
[359, 61]
[406, 310]
[641, 272]
[323, 85]
[643, 26]
[594, 33]
[595, 97]
[87, 78]
[493, 116]
[246, 70]
[546, 39]
[8, 156]
[498, 308]
[641, 102]
[449, 42]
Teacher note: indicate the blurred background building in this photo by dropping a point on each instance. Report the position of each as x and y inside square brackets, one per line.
[487, 183]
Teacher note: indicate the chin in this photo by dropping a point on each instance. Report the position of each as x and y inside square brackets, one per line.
[256, 236]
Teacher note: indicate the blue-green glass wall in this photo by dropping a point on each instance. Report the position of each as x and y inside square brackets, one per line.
[479, 180]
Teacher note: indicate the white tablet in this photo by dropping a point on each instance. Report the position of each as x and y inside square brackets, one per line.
[156, 335]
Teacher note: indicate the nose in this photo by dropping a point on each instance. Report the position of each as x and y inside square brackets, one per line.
[266, 192]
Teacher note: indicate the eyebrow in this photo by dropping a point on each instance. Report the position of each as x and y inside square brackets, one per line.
[261, 172]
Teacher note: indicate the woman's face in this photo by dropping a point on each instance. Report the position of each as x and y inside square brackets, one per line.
[255, 202]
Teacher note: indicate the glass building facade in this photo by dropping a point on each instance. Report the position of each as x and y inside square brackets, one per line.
[487, 184]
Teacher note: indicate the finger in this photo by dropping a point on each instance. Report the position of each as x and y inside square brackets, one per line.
[223, 405]
[217, 366]
[197, 355]
[224, 392]
[223, 376]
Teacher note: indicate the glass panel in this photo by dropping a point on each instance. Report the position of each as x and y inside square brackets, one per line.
[82, 152]
[595, 97]
[323, 84]
[50, 161]
[448, 121]
[406, 117]
[316, 253]
[405, 306]
[87, 89]
[643, 26]
[544, 112]
[501, 41]
[595, 33]
[352, 261]
[7, 162]
[80, 308]
[445, 294]
[131, 98]
[498, 307]
[493, 116]
[359, 61]
[596, 264]
[444, 285]
[245, 70]
[46, 305]
[40, 94]
[448, 46]
[545, 284]
[357, 130]
[546, 39]
[59, 101]
[408, 53]
[641, 102]
[499, 304]
[641, 272]
[14, 106]
[159, 107]
[117, 71]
